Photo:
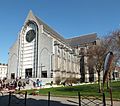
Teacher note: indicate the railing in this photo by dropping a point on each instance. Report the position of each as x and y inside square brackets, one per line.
[80, 100]
[95, 101]
[19, 98]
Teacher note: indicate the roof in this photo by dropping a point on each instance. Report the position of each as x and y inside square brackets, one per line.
[50, 30]
[75, 41]
[71, 41]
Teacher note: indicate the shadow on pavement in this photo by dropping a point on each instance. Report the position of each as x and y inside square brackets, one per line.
[4, 101]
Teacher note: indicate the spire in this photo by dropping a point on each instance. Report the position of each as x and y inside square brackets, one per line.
[30, 13]
[30, 16]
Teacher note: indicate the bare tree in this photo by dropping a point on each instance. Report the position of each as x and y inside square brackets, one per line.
[96, 56]
[113, 40]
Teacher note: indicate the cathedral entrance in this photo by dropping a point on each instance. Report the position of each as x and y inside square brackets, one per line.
[12, 75]
[28, 73]
[44, 74]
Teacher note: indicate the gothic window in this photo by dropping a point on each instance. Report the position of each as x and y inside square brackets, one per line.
[64, 55]
[69, 58]
[58, 52]
[94, 43]
[82, 51]
[59, 62]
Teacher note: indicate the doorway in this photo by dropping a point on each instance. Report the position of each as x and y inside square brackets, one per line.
[44, 74]
[12, 75]
[28, 73]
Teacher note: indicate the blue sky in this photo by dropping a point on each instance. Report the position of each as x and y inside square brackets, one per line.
[68, 17]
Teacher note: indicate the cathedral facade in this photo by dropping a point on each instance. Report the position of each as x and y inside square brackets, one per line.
[40, 52]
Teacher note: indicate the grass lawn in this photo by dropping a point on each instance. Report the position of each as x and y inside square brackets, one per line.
[87, 90]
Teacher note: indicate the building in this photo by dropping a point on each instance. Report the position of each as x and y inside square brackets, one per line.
[80, 45]
[40, 52]
[116, 73]
[3, 70]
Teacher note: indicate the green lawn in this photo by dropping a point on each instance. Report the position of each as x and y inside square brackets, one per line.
[88, 90]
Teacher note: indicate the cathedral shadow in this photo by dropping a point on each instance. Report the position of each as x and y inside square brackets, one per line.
[34, 101]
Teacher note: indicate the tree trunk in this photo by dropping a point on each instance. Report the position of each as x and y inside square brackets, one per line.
[99, 83]
[109, 81]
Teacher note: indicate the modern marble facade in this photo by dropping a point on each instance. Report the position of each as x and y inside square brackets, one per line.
[40, 52]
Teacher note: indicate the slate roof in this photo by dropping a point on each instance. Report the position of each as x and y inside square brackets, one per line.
[50, 30]
[82, 39]
[75, 41]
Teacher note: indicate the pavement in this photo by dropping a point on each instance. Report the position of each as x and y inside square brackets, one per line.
[17, 100]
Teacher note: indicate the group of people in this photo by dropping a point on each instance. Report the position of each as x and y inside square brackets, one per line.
[3, 83]
[13, 84]
[38, 83]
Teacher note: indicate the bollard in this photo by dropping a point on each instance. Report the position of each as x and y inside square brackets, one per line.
[9, 98]
[79, 97]
[48, 98]
[104, 102]
[25, 97]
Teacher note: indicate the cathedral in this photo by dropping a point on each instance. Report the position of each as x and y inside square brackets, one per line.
[41, 52]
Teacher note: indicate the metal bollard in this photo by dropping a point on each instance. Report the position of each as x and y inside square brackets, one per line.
[9, 99]
[25, 97]
[79, 97]
[48, 98]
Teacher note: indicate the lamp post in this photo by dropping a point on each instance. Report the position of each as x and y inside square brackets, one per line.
[41, 66]
[49, 60]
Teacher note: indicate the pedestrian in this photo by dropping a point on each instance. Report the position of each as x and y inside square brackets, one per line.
[24, 84]
[37, 82]
[40, 84]
[19, 84]
[34, 84]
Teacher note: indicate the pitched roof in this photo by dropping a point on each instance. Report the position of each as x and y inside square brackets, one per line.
[71, 41]
[82, 39]
[51, 31]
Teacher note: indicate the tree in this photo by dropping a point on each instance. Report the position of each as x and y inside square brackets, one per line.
[113, 40]
[96, 56]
